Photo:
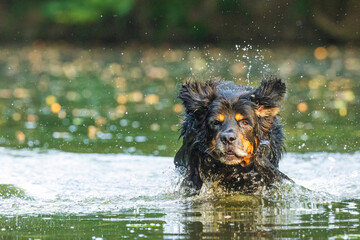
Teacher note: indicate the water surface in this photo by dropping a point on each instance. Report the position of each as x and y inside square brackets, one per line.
[66, 195]
[103, 124]
[123, 100]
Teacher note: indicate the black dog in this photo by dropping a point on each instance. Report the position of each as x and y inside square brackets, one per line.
[231, 135]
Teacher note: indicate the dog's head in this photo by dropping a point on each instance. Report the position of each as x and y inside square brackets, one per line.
[229, 121]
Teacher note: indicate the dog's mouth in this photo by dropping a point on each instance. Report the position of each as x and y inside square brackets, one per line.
[235, 157]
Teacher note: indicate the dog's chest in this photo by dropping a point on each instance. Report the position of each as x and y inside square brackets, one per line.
[230, 179]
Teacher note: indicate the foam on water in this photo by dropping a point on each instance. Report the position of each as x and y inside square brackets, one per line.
[59, 182]
[334, 173]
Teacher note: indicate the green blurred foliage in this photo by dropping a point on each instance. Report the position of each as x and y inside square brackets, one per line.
[79, 11]
[202, 21]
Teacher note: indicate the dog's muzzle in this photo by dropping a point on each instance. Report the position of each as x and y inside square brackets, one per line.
[234, 150]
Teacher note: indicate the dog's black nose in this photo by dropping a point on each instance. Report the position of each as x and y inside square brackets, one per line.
[227, 137]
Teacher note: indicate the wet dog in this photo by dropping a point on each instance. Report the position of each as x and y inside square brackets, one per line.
[231, 135]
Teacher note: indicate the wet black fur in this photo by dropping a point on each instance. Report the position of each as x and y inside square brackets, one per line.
[193, 159]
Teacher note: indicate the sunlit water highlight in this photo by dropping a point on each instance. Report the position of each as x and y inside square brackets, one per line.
[144, 189]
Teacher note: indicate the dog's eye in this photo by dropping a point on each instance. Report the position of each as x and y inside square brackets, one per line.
[244, 122]
[217, 122]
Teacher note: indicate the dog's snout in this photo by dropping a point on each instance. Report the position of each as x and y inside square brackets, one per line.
[227, 137]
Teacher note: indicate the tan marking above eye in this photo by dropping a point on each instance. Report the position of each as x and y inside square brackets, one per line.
[238, 117]
[221, 117]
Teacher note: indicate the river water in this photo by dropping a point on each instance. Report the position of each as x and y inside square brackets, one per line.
[87, 135]
[54, 194]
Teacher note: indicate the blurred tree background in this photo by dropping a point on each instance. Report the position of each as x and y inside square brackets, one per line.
[185, 21]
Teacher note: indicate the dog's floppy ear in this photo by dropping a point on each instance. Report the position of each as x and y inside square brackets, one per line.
[197, 96]
[268, 97]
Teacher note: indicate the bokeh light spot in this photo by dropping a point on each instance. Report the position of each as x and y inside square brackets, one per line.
[135, 96]
[121, 99]
[32, 118]
[237, 68]
[21, 93]
[55, 107]
[5, 93]
[152, 99]
[16, 116]
[157, 72]
[121, 110]
[343, 111]
[302, 107]
[349, 96]
[92, 132]
[100, 121]
[20, 136]
[155, 127]
[174, 128]
[178, 108]
[320, 53]
[62, 114]
[50, 100]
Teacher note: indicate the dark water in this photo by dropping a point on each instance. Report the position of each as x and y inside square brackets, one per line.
[82, 132]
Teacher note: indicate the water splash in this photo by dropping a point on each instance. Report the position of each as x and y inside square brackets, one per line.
[244, 65]
[74, 183]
